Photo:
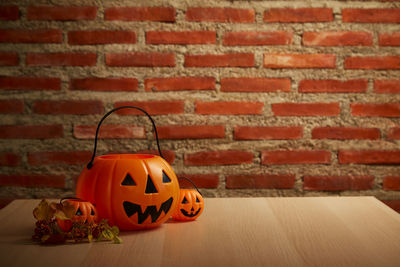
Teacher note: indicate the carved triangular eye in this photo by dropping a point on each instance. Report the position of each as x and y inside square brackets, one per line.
[78, 212]
[184, 201]
[92, 212]
[165, 178]
[197, 200]
[128, 180]
[150, 187]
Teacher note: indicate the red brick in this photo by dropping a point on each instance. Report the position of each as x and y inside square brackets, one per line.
[261, 181]
[375, 110]
[9, 159]
[152, 107]
[59, 157]
[337, 38]
[227, 157]
[29, 83]
[101, 37]
[179, 83]
[164, 14]
[258, 38]
[72, 107]
[272, 133]
[391, 183]
[387, 86]
[255, 85]
[368, 15]
[200, 180]
[104, 84]
[298, 15]
[306, 109]
[140, 59]
[9, 58]
[299, 61]
[394, 133]
[222, 60]
[32, 180]
[345, 133]
[61, 59]
[369, 156]
[109, 131]
[372, 63]
[9, 12]
[168, 155]
[31, 131]
[62, 13]
[333, 86]
[217, 14]
[229, 108]
[180, 38]
[338, 183]
[31, 36]
[11, 106]
[296, 157]
[389, 39]
[191, 131]
[392, 203]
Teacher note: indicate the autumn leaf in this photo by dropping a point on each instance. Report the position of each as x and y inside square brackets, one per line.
[68, 209]
[43, 211]
[117, 240]
[64, 211]
[45, 238]
[115, 230]
[108, 234]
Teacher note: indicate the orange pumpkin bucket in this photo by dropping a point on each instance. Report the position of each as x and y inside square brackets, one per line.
[132, 191]
[190, 205]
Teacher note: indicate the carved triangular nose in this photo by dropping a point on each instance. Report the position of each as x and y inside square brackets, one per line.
[150, 187]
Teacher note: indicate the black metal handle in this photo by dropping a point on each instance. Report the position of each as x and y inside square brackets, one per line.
[75, 198]
[90, 164]
[187, 179]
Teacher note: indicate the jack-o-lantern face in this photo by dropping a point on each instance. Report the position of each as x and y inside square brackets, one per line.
[131, 191]
[190, 206]
[84, 212]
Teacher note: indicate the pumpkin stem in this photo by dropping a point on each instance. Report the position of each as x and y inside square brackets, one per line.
[90, 164]
[187, 179]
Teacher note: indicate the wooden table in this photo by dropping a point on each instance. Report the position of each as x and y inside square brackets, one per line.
[318, 231]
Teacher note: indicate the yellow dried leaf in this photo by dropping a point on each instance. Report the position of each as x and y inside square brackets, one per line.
[117, 240]
[43, 211]
[44, 238]
[108, 234]
[68, 209]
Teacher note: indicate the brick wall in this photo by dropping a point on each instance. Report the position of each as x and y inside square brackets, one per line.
[263, 98]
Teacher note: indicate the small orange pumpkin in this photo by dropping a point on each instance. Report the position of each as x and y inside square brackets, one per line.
[190, 205]
[84, 212]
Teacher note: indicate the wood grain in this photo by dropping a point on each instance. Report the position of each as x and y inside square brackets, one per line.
[320, 231]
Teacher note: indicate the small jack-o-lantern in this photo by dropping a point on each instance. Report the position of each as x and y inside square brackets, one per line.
[84, 212]
[191, 204]
[132, 191]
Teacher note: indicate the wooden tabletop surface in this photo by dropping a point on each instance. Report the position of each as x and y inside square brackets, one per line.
[317, 231]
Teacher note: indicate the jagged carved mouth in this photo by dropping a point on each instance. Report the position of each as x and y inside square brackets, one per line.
[132, 208]
[190, 214]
